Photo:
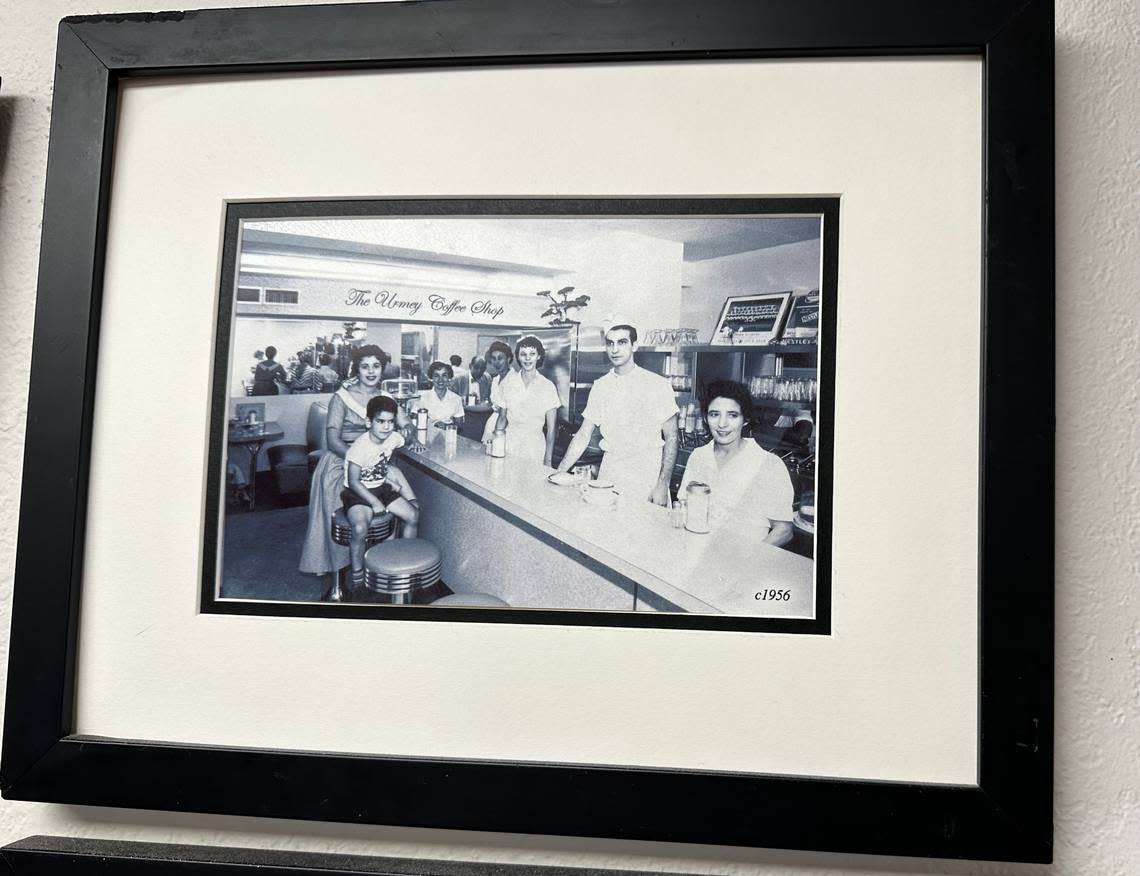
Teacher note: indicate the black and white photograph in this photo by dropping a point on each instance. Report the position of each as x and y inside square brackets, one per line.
[574, 412]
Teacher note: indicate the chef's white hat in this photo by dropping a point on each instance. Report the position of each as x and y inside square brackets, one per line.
[612, 320]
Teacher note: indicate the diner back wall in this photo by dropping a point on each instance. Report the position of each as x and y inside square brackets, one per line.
[1098, 481]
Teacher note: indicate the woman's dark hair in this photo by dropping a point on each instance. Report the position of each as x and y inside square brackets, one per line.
[729, 389]
[440, 366]
[379, 403]
[270, 352]
[369, 350]
[534, 343]
[499, 345]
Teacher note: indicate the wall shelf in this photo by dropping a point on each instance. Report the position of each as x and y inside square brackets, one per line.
[808, 346]
[801, 405]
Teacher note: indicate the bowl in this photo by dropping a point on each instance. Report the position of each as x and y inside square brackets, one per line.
[600, 495]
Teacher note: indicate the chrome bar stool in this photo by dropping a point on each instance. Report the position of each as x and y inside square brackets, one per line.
[396, 570]
[383, 526]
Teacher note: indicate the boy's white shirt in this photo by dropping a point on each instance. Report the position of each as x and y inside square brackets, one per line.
[367, 453]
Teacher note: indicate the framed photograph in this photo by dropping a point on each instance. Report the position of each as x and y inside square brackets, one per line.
[453, 286]
[752, 319]
[509, 593]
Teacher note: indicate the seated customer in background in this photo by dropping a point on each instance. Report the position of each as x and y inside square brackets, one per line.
[268, 374]
[308, 377]
[480, 380]
[461, 381]
[372, 485]
[330, 380]
[747, 481]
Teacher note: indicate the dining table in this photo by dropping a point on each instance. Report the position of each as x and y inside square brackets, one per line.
[252, 437]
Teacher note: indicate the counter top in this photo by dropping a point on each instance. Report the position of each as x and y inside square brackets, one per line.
[727, 571]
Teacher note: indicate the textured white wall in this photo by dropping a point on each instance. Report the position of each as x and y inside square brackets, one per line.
[1098, 481]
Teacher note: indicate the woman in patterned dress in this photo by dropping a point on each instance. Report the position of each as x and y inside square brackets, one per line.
[347, 421]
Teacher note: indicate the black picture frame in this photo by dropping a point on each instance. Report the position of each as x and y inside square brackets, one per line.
[1005, 815]
[49, 855]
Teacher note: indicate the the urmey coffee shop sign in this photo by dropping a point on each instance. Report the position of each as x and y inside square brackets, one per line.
[307, 296]
[435, 305]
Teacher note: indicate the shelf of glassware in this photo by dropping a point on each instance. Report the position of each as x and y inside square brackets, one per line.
[781, 375]
[791, 383]
[673, 363]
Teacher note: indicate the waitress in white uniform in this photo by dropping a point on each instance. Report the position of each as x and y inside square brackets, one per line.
[443, 405]
[499, 358]
[636, 411]
[531, 403]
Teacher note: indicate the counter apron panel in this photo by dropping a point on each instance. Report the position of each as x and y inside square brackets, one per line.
[504, 530]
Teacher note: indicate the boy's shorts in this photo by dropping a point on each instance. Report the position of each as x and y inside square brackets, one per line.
[386, 493]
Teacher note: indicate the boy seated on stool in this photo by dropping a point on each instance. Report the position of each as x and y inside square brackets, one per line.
[372, 486]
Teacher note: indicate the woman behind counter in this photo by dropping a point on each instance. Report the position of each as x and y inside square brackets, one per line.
[531, 402]
[443, 405]
[498, 366]
[347, 421]
[747, 481]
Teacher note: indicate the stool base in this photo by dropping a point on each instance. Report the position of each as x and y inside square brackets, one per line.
[381, 597]
[339, 588]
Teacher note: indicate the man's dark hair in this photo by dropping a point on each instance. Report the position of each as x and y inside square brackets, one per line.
[456, 360]
[270, 352]
[379, 403]
[624, 325]
[326, 359]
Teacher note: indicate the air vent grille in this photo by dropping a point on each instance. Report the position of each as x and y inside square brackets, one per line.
[281, 296]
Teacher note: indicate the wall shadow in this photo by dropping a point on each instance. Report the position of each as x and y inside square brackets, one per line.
[7, 120]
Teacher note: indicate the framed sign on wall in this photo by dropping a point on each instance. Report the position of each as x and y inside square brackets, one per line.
[752, 319]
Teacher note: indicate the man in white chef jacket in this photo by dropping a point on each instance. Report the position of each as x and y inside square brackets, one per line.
[636, 411]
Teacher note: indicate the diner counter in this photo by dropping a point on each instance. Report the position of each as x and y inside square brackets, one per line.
[625, 557]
